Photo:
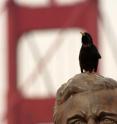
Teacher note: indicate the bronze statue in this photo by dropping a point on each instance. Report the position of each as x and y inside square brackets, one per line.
[87, 98]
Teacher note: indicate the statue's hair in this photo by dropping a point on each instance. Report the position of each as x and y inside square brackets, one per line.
[84, 82]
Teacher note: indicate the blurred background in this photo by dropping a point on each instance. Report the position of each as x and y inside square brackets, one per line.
[48, 57]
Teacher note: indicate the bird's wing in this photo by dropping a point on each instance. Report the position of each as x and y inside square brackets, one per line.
[96, 53]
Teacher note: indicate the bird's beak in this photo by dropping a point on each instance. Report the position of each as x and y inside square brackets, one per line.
[82, 33]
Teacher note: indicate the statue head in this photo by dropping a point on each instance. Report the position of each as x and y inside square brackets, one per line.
[86, 99]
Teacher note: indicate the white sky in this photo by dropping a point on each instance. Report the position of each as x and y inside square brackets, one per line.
[107, 49]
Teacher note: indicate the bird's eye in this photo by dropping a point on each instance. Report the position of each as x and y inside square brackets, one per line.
[108, 121]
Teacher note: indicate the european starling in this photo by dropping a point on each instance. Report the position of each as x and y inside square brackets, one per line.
[89, 55]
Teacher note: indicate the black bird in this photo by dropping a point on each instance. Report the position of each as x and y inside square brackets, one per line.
[89, 55]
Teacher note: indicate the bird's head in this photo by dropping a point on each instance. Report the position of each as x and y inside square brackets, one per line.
[86, 39]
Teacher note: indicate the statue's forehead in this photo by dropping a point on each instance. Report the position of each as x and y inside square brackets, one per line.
[93, 102]
[105, 100]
